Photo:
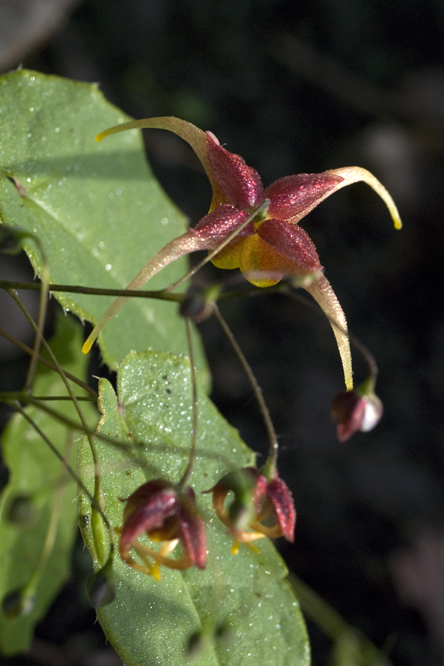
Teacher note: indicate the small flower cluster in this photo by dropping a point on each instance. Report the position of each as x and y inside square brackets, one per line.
[168, 514]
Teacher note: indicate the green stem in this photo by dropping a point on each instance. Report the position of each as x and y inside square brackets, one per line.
[40, 319]
[48, 364]
[48, 546]
[17, 407]
[269, 469]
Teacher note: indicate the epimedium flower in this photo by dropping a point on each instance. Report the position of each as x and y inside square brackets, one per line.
[261, 507]
[252, 228]
[165, 513]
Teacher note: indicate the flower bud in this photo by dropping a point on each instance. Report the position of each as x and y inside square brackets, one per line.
[352, 412]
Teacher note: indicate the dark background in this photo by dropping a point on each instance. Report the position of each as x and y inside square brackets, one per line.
[301, 87]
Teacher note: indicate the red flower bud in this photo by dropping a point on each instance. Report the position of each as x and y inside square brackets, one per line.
[353, 412]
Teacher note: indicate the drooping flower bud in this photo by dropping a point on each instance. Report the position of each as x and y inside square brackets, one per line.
[167, 514]
[359, 409]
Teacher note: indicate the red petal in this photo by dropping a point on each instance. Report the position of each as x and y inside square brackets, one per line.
[282, 500]
[294, 243]
[293, 197]
[220, 223]
[193, 532]
[240, 183]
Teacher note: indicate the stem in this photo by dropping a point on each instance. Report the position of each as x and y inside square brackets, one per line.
[160, 294]
[17, 407]
[269, 468]
[52, 527]
[98, 493]
[40, 319]
[48, 364]
[184, 481]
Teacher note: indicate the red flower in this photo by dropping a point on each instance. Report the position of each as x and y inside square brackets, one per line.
[256, 499]
[166, 514]
[256, 230]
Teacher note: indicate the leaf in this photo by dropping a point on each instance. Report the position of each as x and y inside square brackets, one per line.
[245, 595]
[96, 208]
[35, 471]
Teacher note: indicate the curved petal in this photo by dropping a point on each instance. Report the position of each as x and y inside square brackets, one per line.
[322, 292]
[293, 242]
[351, 175]
[194, 136]
[293, 197]
[184, 244]
[241, 184]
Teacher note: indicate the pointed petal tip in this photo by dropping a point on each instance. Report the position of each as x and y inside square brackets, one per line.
[356, 174]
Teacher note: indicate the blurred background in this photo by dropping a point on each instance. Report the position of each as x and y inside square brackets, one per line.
[299, 87]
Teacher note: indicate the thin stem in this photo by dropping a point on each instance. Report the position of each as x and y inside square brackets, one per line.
[40, 319]
[184, 481]
[98, 494]
[18, 408]
[269, 468]
[48, 364]
[159, 294]
[263, 207]
[53, 523]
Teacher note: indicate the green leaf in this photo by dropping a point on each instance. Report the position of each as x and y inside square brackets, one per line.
[96, 208]
[242, 603]
[34, 472]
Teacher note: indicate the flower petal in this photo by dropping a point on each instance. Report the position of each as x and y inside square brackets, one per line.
[293, 242]
[220, 223]
[263, 265]
[323, 293]
[293, 197]
[194, 136]
[241, 184]
[260, 263]
[351, 175]
[193, 532]
[178, 247]
[280, 495]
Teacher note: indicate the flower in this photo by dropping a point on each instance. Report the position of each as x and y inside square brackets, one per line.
[356, 410]
[256, 499]
[166, 514]
[254, 229]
